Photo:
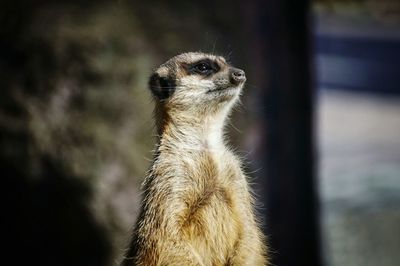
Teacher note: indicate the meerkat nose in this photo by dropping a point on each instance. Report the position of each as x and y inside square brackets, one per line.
[237, 76]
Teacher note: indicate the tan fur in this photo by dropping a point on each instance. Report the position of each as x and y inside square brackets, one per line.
[197, 208]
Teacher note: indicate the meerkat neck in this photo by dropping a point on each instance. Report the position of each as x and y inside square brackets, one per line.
[193, 132]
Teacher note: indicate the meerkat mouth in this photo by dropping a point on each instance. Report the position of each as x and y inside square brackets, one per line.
[224, 88]
[224, 91]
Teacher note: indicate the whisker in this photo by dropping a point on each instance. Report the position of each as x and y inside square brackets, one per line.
[214, 44]
[253, 85]
[235, 128]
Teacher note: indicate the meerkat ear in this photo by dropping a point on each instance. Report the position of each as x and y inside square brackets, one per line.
[161, 87]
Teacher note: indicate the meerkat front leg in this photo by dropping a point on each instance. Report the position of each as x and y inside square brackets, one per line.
[249, 251]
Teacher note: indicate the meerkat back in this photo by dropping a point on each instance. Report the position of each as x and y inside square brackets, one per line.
[197, 208]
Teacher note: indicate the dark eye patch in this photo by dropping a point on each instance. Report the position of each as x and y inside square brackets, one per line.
[204, 67]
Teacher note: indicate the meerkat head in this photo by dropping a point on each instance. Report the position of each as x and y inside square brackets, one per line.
[196, 83]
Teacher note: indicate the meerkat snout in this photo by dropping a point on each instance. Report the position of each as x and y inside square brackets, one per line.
[237, 76]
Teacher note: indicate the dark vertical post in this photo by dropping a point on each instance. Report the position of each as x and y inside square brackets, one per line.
[290, 187]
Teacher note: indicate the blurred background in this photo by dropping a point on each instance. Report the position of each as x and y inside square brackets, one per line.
[319, 122]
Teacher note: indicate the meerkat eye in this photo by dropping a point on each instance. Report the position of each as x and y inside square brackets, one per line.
[203, 68]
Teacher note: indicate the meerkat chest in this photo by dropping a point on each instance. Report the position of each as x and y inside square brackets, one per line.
[213, 218]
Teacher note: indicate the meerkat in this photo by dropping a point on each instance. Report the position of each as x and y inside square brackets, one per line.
[197, 207]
